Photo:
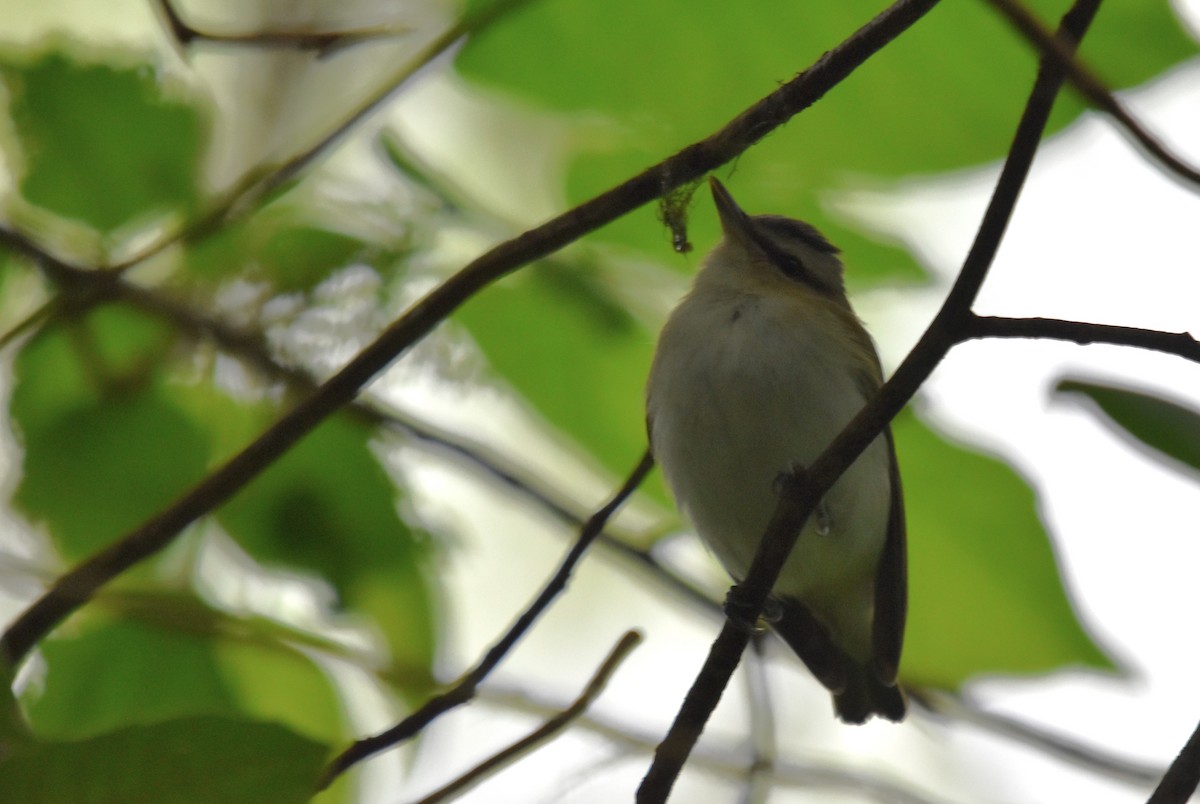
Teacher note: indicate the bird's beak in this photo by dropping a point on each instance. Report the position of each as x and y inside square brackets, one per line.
[734, 221]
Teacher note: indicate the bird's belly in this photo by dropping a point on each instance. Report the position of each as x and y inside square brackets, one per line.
[739, 418]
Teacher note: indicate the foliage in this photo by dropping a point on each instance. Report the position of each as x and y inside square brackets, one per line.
[170, 686]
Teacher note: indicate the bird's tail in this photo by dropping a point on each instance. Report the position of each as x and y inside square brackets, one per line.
[858, 693]
[865, 695]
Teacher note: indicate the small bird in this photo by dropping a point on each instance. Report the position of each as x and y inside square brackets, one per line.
[757, 370]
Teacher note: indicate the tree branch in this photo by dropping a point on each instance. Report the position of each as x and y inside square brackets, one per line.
[1092, 88]
[464, 690]
[546, 731]
[756, 788]
[77, 586]
[727, 760]
[950, 706]
[1181, 344]
[805, 488]
[324, 43]
[259, 183]
[87, 287]
[1181, 779]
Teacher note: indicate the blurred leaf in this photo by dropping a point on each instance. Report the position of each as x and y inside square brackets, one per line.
[1168, 428]
[155, 656]
[560, 337]
[12, 725]
[104, 446]
[101, 143]
[122, 672]
[943, 96]
[329, 507]
[985, 594]
[280, 247]
[276, 684]
[185, 760]
[303, 256]
[263, 663]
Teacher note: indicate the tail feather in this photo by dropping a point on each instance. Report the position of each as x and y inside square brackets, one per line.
[858, 692]
[865, 696]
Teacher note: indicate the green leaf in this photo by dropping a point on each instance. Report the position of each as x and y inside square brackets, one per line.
[985, 594]
[122, 672]
[275, 683]
[943, 96]
[101, 143]
[185, 760]
[105, 446]
[1168, 428]
[328, 507]
[278, 246]
[561, 338]
[155, 656]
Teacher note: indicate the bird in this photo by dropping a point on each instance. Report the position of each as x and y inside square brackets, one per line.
[757, 369]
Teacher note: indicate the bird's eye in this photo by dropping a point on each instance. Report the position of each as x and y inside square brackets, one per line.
[790, 265]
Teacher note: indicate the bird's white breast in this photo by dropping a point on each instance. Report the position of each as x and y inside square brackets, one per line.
[743, 387]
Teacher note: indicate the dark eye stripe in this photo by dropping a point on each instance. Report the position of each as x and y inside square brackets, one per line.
[789, 264]
[777, 227]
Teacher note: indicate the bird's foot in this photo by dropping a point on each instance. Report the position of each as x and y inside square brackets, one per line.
[741, 614]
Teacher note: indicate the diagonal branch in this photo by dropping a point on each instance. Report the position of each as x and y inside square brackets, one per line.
[951, 706]
[324, 43]
[727, 761]
[84, 286]
[805, 488]
[1091, 87]
[546, 731]
[1182, 778]
[259, 183]
[80, 583]
[464, 690]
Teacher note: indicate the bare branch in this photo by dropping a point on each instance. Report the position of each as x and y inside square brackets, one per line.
[546, 731]
[324, 43]
[805, 488]
[77, 586]
[764, 752]
[1087, 757]
[464, 690]
[1180, 782]
[1092, 88]
[86, 286]
[262, 181]
[727, 760]
[1181, 344]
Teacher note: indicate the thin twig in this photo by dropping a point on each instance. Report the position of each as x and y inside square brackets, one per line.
[546, 731]
[80, 583]
[1181, 344]
[324, 43]
[726, 760]
[464, 690]
[86, 286]
[763, 750]
[805, 488]
[29, 323]
[263, 181]
[1092, 88]
[1084, 756]
[1182, 778]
